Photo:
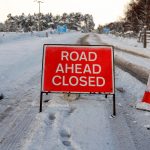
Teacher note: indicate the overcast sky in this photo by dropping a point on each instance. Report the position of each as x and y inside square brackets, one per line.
[103, 11]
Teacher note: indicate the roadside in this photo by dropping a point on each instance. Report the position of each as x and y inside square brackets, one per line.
[129, 45]
[129, 91]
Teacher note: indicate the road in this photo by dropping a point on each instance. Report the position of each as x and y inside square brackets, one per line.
[134, 70]
[21, 87]
[20, 84]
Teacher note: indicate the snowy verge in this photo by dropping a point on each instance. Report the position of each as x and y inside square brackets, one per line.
[139, 72]
[126, 44]
[145, 54]
[6, 37]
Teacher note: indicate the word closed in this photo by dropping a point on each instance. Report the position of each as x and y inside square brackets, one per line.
[81, 69]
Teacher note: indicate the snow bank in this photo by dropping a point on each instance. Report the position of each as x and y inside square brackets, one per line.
[13, 36]
[16, 36]
[126, 44]
[140, 72]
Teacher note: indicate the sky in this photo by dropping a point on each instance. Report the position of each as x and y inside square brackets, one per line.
[103, 11]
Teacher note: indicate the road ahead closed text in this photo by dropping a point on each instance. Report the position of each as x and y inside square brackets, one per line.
[78, 69]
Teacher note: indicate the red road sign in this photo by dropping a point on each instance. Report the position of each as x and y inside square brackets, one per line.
[78, 69]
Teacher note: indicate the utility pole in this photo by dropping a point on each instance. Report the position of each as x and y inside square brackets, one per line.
[39, 2]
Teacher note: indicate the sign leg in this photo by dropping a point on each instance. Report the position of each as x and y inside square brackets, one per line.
[114, 105]
[41, 96]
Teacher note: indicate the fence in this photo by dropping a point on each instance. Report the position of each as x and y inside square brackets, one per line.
[144, 37]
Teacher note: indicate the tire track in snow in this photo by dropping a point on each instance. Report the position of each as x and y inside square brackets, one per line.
[12, 139]
[19, 118]
[18, 123]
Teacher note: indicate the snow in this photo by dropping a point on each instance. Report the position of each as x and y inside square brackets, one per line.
[81, 125]
[25, 54]
[84, 124]
[128, 51]
[12, 36]
[143, 106]
[69, 125]
[127, 44]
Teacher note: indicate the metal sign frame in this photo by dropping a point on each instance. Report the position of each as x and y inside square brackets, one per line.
[75, 45]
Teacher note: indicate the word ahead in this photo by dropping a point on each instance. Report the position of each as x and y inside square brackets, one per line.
[80, 69]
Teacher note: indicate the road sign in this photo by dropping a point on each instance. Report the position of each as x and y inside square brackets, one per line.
[78, 69]
[61, 29]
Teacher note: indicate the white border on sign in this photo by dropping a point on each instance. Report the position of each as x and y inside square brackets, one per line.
[76, 46]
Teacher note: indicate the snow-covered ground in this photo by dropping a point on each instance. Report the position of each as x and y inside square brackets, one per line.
[85, 124]
[20, 58]
[124, 43]
[124, 47]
